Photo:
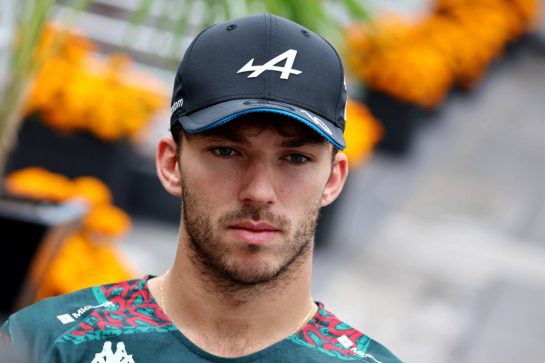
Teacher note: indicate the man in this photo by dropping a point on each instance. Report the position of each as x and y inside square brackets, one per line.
[257, 120]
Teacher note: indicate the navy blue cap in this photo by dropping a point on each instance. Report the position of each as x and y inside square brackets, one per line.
[260, 63]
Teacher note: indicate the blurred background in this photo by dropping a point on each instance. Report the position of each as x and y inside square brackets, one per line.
[436, 247]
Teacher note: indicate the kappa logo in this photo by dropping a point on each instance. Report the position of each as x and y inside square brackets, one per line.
[288, 56]
[108, 356]
[318, 122]
[348, 344]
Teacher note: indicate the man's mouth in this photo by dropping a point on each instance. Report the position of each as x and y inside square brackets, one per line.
[254, 232]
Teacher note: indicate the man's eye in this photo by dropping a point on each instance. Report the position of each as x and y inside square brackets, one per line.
[223, 151]
[297, 158]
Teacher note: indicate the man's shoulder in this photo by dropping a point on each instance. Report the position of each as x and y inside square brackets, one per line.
[333, 337]
[41, 324]
[61, 310]
[53, 311]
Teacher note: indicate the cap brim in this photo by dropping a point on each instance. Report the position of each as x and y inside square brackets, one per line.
[221, 113]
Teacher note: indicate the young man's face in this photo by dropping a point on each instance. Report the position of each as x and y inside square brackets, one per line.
[251, 195]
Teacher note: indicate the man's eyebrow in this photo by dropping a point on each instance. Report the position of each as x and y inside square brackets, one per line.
[301, 141]
[238, 138]
[233, 137]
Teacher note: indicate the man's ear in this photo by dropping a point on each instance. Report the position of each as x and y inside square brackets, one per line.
[166, 160]
[337, 178]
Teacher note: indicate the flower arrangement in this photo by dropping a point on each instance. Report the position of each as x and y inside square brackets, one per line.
[420, 61]
[362, 133]
[76, 90]
[88, 256]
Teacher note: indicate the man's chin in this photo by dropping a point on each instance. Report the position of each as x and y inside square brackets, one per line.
[251, 275]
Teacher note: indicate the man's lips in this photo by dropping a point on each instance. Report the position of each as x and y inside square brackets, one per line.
[254, 232]
[254, 226]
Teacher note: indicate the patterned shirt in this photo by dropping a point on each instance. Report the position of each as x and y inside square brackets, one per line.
[122, 322]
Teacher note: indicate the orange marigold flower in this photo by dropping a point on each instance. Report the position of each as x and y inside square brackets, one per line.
[92, 189]
[455, 44]
[362, 133]
[80, 264]
[35, 182]
[75, 90]
[107, 220]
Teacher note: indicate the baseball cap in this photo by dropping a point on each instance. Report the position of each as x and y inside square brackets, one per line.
[260, 63]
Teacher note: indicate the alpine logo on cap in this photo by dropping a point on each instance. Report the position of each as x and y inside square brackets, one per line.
[288, 56]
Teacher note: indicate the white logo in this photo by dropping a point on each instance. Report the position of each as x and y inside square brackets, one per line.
[345, 101]
[107, 356]
[176, 105]
[347, 343]
[318, 122]
[65, 318]
[69, 318]
[271, 65]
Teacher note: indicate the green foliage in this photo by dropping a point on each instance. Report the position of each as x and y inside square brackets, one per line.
[185, 18]
[30, 18]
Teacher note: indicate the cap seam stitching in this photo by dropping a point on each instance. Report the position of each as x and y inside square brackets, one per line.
[267, 86]
[271, 27]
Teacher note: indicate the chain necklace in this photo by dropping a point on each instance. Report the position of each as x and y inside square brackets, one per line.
[299, 326]
[306, 318]
[163, 306]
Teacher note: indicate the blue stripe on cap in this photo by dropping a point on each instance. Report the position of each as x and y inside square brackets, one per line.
[273, 110]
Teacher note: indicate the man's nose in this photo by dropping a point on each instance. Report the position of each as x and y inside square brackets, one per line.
[258, 184]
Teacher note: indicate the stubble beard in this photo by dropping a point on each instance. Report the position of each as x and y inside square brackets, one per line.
[225, 274]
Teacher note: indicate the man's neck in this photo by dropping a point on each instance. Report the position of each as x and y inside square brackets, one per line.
[237, 322]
